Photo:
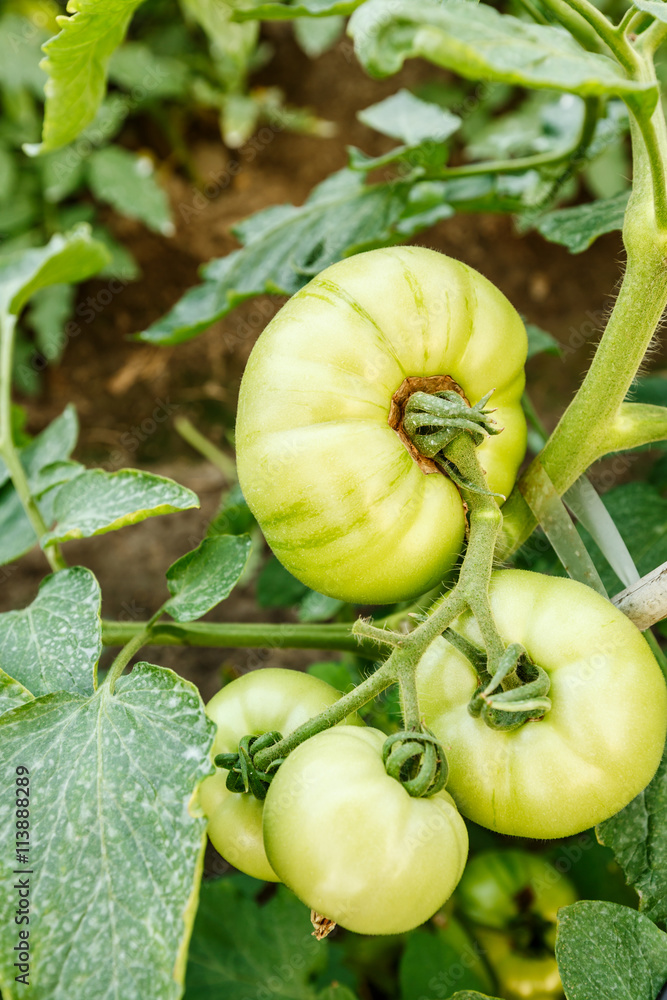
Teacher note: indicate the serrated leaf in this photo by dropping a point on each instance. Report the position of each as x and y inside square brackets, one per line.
[653, 7]
[478, 42]
[148, 76]
[12, 694]
[236, 942]
[202, 578]
[578, 227]
[284, 247]
[610, 952]
[301, 8]
[54, 644]
[77, 61]
[540, 342]
[409, 119]
[64, 260]
[232, 44]
[115, 843]
[20, 55]
[638, 837]
[127, 182]
[98, 501]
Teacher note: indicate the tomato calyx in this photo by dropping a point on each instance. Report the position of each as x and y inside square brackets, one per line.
[432, 421]
[243, 775]
[429, 384]
[516, 694]
[416, 759]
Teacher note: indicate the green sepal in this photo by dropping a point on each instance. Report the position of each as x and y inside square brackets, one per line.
[417, 760]
[243, 776]
[524, 699]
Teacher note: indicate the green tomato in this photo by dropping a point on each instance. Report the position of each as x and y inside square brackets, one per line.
[500, 888]
[262, 701]
[341, 500]
[520, 976]
[351, 842]
[589, 756]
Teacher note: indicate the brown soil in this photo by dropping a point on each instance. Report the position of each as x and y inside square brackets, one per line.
[123, 390]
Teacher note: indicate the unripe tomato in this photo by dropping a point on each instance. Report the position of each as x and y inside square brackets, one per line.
[352, 843]
[596, 749]
[520, 976]
[499, 888]
[262, 701]
[341, 500]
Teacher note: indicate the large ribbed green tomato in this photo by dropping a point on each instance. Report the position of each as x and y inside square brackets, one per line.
[596, 749]
[259, 702]
[340, 499]
[351, 842]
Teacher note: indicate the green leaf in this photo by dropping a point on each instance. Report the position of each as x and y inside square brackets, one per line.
[12, 694]
[277, 588]
[316, 35]
[64, 260]
[540, 342]
[284, 247]
[610, 952]
[148, 76]
[638, 837]
[316, 607]
[433, 965]
[98, 501]
[202, 578]
[577, 228]
[301, 8]
[116, 847]
[49, 311]
[232, 45]
[409, 119]
[127, 182]
[234, 516]
[471, 995]
[20, 55]
[478, 42]
[239, 948]
[77, 61]
[338, 673]
[54, 644]
[653, 7]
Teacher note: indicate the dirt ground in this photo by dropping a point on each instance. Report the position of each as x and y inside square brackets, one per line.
[122, 389]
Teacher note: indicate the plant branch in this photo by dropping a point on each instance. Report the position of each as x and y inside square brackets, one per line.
[200, 443]
[141, 638]
[635, 424]
[8, 450]
[602, 27]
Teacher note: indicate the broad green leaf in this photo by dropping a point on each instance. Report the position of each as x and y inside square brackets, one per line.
[54, 444]
[277, 588]
[471, 995]
[54, 644]
[116, 845]
[202, 578]
[610, 952]
[98, 501]
[436, 964]
[64, 260]
[284, 247]
[540, 342]
[409, 119]
[316, 35]
[239, 948]
[479, 43]
[12, 694]
[638, 837]
[653, 7]
[49, 310]
[336, 991]
[234, 516]
[127, 182]
[577, 228]
[232, 45]
[77, 61]
[301, 8]
[340, 674]
[315, 607]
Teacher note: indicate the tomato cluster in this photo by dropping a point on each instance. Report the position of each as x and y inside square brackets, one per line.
[356, 510]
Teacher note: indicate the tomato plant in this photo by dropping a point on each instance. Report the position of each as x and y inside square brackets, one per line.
[324, 462]
[380, 440]
[351, 842]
